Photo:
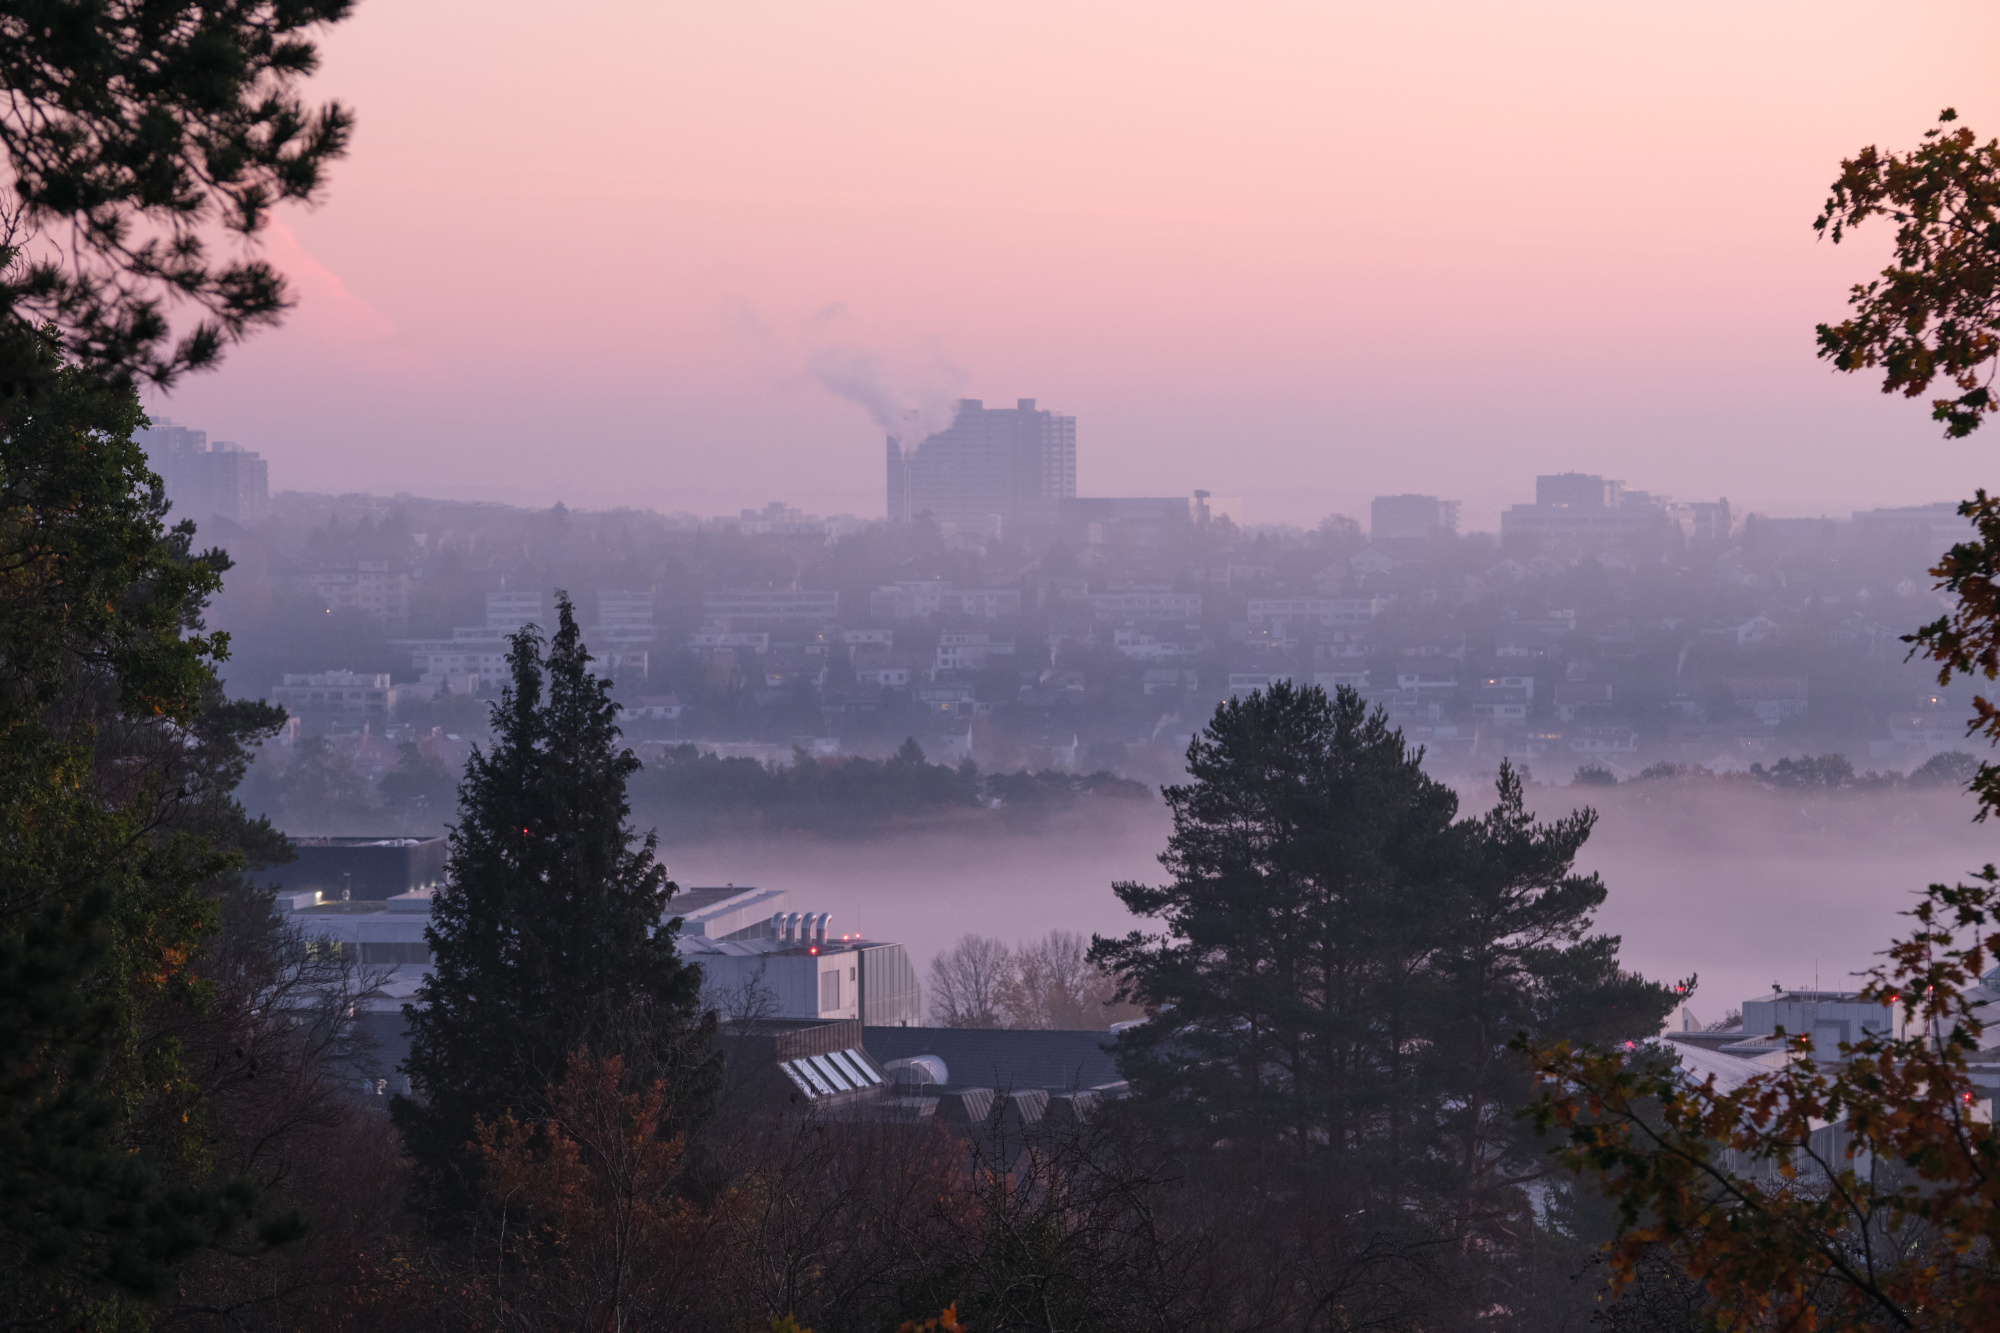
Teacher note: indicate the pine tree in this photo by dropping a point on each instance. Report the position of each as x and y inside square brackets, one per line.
[1344, 961]
[549, 939]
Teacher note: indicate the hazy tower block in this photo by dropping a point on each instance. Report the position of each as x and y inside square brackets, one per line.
[1017, 464]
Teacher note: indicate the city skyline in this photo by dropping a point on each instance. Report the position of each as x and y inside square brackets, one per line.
[1332, 253]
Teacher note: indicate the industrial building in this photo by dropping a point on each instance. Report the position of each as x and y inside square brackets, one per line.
[760, 960]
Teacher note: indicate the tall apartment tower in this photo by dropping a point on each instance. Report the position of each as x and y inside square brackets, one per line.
[206, 481]
[1016, 464]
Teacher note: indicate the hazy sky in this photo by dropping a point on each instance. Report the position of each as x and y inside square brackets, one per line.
[1307, 253]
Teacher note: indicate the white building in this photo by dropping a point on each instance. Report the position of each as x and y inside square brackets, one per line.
[920, 600]
[757, 959]
[368, 587]
[970, 652]
[350, 693]
[760, 605]
[1326, 612]
[1184, 607]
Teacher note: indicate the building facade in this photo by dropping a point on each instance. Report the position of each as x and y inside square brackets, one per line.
[204, 480]
[1017, 464]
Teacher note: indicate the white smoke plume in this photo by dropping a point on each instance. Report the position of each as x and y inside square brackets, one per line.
[907, 404]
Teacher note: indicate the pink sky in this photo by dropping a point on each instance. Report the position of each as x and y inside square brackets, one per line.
[1307, 253]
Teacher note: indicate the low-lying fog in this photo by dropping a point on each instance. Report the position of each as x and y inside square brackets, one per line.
[1744, 885]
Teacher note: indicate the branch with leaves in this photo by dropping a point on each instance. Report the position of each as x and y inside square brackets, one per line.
[1935, 311]
[1860, 1192]
[134, 131]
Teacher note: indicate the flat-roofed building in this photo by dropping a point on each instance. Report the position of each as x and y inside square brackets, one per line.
[1015, 464]
[748, 606]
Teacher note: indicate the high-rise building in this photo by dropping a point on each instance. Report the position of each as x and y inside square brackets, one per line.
[1579, 505]
[206, 480]
[1410, 518]
[1017, 464]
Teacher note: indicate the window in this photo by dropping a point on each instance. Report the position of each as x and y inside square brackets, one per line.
[829, 991]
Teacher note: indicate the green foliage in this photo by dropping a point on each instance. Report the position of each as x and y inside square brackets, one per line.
[548, 939]
[131, 126]
[1594, 775]
[116, 757]
[1342, 960]
[1936, 309]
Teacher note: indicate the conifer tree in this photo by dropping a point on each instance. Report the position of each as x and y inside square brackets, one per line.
[1343, 960]
[549, 938]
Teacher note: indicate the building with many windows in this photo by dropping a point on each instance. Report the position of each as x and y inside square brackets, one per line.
[1015, 464]
[204, 480]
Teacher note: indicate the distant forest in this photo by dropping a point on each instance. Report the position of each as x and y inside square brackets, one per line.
[695, 796]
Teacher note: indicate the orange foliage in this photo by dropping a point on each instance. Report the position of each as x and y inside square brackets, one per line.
[590, 1218]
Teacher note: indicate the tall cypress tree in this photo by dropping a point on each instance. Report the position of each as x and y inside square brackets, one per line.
[549, 937]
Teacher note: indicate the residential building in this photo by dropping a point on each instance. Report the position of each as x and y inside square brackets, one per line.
[1581, 698]
[970, 652]
[204, 480]
[921, 600]
[1602, 742]
[1770, 699]
[371, 588]
[346, 694]
[1246, 682]
[1141, 646]
[756, 606]
[1148, 605]
[1267, 613]
[1497, 703]
[653, 708]
[1016, 464]
[880, 667]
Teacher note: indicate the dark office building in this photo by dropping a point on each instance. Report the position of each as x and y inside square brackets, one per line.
[1015, 464]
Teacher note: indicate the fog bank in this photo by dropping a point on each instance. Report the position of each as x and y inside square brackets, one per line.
[1742, 885]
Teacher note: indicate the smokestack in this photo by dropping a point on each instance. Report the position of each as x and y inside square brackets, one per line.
[791, 935]
[819, 928]
[777, 925]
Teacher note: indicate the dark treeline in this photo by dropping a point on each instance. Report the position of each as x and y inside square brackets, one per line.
[1807, 772]
[690, 795]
